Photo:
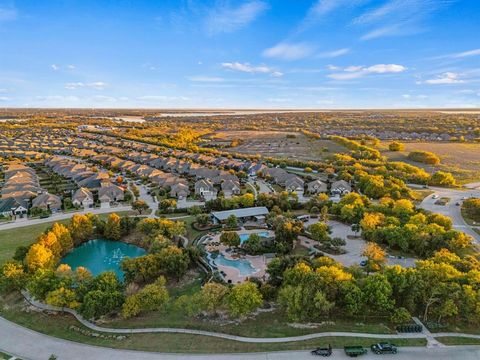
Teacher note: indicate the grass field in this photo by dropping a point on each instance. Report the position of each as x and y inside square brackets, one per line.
[59, 326]
[26, 235]
[461, 159]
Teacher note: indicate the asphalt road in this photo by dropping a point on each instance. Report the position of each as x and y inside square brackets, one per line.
[31, 345]
[61, 216]
[451, 209]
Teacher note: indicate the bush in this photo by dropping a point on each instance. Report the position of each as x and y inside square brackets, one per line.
[425, 157]
[396, 146]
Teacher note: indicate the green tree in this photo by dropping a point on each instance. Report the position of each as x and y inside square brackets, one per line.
[243, 299]
[400, 316]
[153, 297]
[377, 293]
[319, 231]
[230, 238]
[231, 222]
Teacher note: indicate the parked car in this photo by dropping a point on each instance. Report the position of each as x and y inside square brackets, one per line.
[435, 196]
[327, 351]
[384, 348]
[354, 351]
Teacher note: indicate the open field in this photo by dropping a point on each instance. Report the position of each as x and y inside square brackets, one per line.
[461, 159]
[281, 144]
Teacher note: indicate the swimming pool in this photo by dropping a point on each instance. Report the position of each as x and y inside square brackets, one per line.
[244, 237]
[243, 266]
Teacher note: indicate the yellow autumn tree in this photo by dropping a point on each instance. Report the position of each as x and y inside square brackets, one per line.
[39, 257]
[64, 237]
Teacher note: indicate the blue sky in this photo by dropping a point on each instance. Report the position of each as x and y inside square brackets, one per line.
[242, 54]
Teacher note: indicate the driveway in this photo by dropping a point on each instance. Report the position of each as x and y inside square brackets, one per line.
[149, 199]
[451, 209]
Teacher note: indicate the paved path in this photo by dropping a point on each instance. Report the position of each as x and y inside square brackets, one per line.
[31, 345]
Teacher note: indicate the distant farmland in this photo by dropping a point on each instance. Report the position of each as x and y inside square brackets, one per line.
[282, 144]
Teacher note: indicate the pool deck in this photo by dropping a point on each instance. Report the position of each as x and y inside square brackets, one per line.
[259, 262]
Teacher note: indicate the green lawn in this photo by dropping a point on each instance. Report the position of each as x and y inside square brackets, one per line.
[449, 340]
[468, 219]
[12, 238]
[59, 326]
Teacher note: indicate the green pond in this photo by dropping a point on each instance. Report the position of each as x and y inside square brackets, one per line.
[101, 255]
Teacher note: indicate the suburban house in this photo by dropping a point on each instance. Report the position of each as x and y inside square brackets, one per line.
[109, 192]
[340, 187]
[230, 188]
[255, 214]
[205, 189]
[179, 191]
[317, 187]
[83, 197]
[47, 201]
[294, 185]
[13, 207]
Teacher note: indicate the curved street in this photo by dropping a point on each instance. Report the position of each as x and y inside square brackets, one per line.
[451, 209]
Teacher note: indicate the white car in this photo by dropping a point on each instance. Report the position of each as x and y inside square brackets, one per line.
[435, 196]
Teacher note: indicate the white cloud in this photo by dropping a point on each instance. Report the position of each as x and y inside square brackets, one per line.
[97, 85]
[4, 98]
[386, 68]
[225, 19]
[334, 53]
[247, 68]
[355, 72]
[55, 67]
[474, 52]
[288, 51]
[321, 8]
[398, 17]
[71, 67]
[201, 78]
[445, 79]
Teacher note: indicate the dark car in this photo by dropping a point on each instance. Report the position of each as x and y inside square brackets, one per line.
[384, 348]
[322, 351]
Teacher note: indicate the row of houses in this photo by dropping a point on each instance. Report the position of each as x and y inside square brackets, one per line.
[22, 191]
[295, 184]
[88, 180]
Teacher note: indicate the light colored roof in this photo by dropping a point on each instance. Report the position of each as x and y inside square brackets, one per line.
[240, 213]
